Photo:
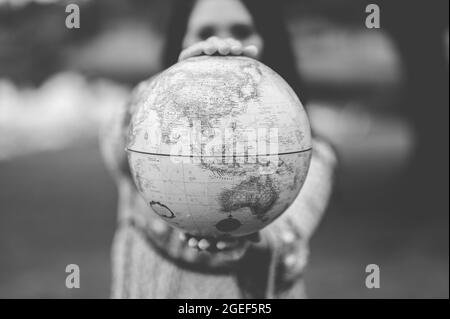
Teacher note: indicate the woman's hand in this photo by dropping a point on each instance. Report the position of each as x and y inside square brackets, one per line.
[291, 250]
[230, 247]
[215, 45]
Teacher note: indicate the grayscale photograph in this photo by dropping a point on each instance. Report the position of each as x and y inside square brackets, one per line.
[203, 150]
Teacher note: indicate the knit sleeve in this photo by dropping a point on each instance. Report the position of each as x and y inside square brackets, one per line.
[288, 236]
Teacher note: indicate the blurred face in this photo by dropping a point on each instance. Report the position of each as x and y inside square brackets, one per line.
[223, 19]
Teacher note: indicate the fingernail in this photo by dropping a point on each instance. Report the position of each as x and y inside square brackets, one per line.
[221, 245]
[290, 261]
[288, 237]
[235, 48]
[159, 227]
[224, 50]
[203, 244]
[209, 50]
[192, 242]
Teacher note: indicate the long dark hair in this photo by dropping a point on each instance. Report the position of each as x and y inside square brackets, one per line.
[268, 18]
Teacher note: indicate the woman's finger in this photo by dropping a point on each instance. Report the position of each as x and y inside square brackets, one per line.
[233, 42]
[225, 45]
[203, 244]
[222, 244]
[182, 236]
[193, 242]
[290, 261]
[214, 43]
[213, 40]
[209, 48]
[251, 51]
[236, 49]
[235, 46]
[224, 48]
[194, 50]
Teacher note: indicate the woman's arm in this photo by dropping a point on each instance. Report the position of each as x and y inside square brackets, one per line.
[112, 140]
[113, 136]
[289, 235]
[308, 208]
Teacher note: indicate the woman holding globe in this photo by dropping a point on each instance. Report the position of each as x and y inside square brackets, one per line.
[152, 259]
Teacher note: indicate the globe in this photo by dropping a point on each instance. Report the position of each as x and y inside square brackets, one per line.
[218, 146]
